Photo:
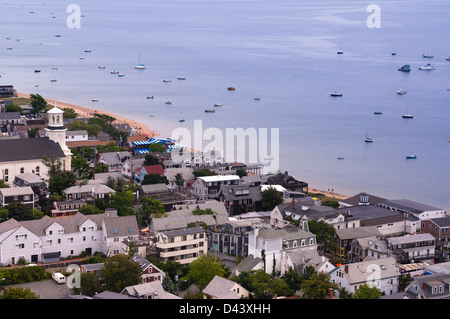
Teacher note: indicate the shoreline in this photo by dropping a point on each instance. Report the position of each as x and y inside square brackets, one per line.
[83, 111]
[142, 129]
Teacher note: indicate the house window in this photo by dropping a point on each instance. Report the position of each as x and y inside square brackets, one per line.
[38, 169]
[22, 170]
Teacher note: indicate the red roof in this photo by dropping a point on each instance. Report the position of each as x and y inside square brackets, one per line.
[154, 169]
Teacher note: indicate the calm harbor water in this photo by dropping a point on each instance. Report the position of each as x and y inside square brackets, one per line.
[284, 53]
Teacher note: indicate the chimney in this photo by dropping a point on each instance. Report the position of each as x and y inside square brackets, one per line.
[293, 202]
[346, 269]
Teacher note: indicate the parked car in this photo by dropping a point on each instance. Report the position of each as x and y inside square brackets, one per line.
[59, 277]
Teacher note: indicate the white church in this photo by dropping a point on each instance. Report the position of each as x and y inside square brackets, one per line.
[18, 156]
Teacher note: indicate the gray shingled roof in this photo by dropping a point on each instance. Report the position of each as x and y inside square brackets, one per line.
[71, 224]
[150, 288]
[220, 288]
[178, 219]
[29, 149]
[248, 263]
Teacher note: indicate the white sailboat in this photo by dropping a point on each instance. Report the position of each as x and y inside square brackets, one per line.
[140, 66]
[407, 115]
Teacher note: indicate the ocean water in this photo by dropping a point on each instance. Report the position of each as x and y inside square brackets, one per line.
[281, 51]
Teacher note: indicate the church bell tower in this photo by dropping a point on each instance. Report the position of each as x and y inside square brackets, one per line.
[56, 132]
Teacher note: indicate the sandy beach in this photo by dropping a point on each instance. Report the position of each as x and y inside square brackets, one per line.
[141, 129]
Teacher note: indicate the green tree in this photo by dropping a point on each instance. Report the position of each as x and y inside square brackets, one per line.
[89, 210]
[179, 180]
[203, 172]
[116, 183]
[151, 160]
[154, 179]
[317, 286]
[241, 172]
[123, 202]
[38, 103]
[19, 293]
[80, 166]
[366, 292]
[204, 269]
[20, 211]
[121, 271]
[404, 281]
[324, 234]
[4, 214]
[69, 113]
[3, 184]
[152, 208]
[89, 285]
[59, 179]
[157, 148]
[270, 199]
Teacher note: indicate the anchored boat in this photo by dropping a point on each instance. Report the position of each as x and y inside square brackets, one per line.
[405, 68]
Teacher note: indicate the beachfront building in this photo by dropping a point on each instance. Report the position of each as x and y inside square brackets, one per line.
[208, 187]
[418, 210]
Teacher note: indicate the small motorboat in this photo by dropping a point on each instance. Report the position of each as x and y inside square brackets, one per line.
[428, 55]
[101, 66]
[166, 81]
[181, 120]
[139, 67]
[149, 97]
[405, 68]
[447, 58]
[427, 67]
[340, 158]
[168, 102]
[377, 112]
[407, 116]
[94, 100]
[401, 91]
[217, 104]
[411, 156]
[53, 80]
[336, 94]
[231, 88]
[120, 75]
[114, 72]
[81, 57]
[394, 53]
[209, 111]
[37, 71]
[257, 98]
[181, 78]
[368, 140]
[340, 52]
[152, 115]
[87, 51]
[58, 36]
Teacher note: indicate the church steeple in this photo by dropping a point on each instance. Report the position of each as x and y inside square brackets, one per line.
[56, 132]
